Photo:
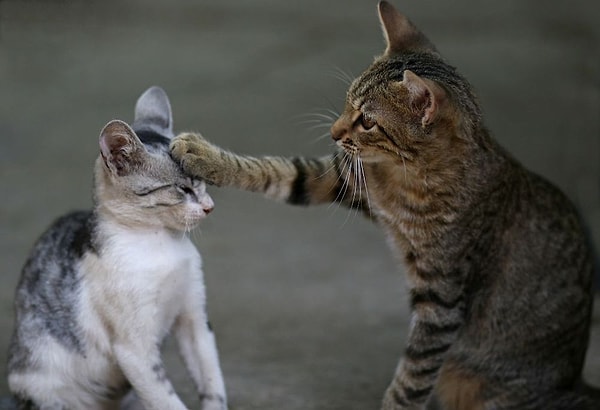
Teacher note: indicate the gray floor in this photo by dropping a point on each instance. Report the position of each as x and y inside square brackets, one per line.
[309, 307]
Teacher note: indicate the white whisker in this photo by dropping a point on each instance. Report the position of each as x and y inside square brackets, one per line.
[196, 233]
[329, 117]
[345, 167]
[312, 121]
[335, 114]
[321, 137]
[315, 118]
[319, 120]
[185, 226]
[317, 126]
[358, 179]
[331, 168]
[364, 179]
[357, 188]
[342, 75]
[352, 210]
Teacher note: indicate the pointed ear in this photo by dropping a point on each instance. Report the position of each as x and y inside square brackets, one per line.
[425, 96]
[400, 34]
[153, 112]
[120, 148]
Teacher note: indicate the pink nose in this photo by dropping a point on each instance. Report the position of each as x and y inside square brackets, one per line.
[208, 210]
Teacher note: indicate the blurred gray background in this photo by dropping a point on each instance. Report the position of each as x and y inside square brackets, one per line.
[308, 305]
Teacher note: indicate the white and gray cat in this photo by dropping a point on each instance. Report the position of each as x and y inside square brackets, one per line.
[103, 288]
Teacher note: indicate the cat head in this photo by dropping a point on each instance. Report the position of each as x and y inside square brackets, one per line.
[409, 105]
[137, 182]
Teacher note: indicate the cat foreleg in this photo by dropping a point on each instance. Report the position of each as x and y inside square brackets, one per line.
[143, 367]
[435, 325]
[199, 352]
[131, 401]
[297, 181]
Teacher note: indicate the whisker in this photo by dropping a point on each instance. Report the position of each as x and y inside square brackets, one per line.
[319, 125]
[315, 118]
[342, 193]
[342, 75]
[311, 121]
[317, 121]
[321, 137]
[358, 179]
[335, 114]
[347, 169]
[364, 177]
[333, 108]
[196, 234]
[327, 117]
[352, 201]
[185, 226]
[331, 168]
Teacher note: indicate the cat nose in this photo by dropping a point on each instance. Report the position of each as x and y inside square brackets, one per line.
[338, 130]
[208, 209]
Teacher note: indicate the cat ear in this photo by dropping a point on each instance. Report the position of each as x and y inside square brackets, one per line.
[153, 112]
[400, 34]
[120, 147]
[425, 96]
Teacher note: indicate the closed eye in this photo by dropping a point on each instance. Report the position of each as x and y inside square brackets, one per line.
[184, 189]
[150, 190]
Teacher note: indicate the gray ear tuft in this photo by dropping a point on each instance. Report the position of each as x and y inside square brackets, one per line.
[153, 112]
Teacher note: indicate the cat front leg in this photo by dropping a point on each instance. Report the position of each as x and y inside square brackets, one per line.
[297, 181]
[438, 315]
[273, 176]
[143, 367]
[198, 349]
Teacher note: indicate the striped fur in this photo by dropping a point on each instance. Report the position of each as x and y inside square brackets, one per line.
[498, 268]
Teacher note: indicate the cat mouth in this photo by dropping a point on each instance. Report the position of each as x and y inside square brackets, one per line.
[194, 214]
[348, 146]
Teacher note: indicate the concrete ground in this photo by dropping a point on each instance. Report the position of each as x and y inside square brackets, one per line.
[308, 305]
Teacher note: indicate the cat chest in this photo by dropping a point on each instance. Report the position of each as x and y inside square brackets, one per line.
[145, 280]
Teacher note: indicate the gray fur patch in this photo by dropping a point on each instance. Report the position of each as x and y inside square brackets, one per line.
[47, 295]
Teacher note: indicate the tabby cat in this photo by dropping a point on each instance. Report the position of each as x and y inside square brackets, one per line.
[498, 269]
[102, 288]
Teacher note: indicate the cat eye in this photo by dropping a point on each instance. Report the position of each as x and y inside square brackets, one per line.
[184, 189]
[366, 122]
[149, 190]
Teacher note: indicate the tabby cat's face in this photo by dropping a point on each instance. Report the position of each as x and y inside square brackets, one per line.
[409, 107]
[390, 118]
[140, 185]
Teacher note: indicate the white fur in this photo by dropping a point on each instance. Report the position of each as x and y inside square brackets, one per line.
[144, 283]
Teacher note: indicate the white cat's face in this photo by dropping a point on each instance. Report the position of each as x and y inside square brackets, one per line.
[139, 184]
[178, 204]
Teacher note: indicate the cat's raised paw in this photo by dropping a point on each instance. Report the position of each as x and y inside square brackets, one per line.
[198, 157]
[188, 143]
